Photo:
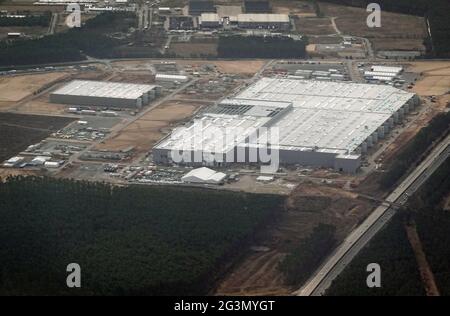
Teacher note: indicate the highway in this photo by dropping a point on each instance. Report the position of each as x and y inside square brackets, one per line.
[342, 256]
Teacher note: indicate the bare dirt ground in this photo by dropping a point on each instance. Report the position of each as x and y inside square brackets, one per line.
[307, 206]
[425, 270]
[229, 66]
[149, 129]
[403, 30]
[7, 172]
[15, 88]
[193, 49]
[314, 26]
[298, 8]
[436, 79]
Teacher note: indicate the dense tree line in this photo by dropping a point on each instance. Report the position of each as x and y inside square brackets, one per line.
[436, 11]
[433, 224]
[301, 262]
[128, 240]
[237, 46]
[415, 149]
[390, 248]
[30, 20]
[72, 45]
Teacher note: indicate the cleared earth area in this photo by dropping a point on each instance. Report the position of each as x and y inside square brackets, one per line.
[306, 207]
[143, 133]
[15, 88]
[397, 31]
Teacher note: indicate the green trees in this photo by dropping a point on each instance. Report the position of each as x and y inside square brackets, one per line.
[71, 45]
[391, 248]
[415, 149]
[236, 46]
[399, 272]
[128, 240]
[304, 259]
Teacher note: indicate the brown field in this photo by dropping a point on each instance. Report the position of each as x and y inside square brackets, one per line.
[42, 106]
[436, 79]
[406, 30]
[193, 49]
[150, 128]
[307, 206]
[15, 88]
[397, 44]
[19, 131]
[298, 8]
[314, 26]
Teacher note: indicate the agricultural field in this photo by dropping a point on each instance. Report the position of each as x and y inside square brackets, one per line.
[436, 78]
[19, 131]
[16, 88]
[398, 31]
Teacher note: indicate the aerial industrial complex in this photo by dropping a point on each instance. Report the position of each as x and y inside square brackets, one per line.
[108, 94]
[319, 124]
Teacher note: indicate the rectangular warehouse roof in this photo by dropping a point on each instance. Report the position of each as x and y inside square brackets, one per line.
[338, 96]
[328, 116]
[104, 89]
[263, 18]
[209, 17]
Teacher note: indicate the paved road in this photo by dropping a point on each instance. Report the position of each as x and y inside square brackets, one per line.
[342, 256]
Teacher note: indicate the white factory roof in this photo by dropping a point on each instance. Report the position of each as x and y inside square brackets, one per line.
[395, 70]
[329, 117]
[263, 17]
[379, 73]
[171, 77]
[203, 133]
[105, 89]
[251, 102]
[338, 96]
[209, 17]
[204, 175]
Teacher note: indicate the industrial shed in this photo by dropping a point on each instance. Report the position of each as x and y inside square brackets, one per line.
[209, 20]
[264, 21]
[204, 175]
[106, 94]
[319, 123]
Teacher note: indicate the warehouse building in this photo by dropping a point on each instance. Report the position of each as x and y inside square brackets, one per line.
[209, 20]
[204, 175]
[319, 124]
[107, 94]
[264, 21]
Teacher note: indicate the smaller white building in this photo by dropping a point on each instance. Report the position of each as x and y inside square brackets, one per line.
[204, 175]
[171, 78]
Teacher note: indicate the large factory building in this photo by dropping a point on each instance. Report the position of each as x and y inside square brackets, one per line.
[319, 124]
[107, 94]
[264, 21]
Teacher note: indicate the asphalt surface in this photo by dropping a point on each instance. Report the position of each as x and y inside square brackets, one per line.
[342, 256]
